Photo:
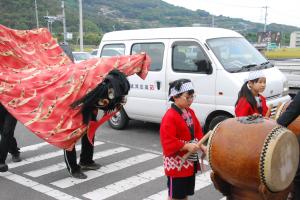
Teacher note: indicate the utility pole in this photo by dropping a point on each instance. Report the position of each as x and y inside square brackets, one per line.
[36, 14]
[64, 20]
[48, 24]
[266, 14]
[80, 25]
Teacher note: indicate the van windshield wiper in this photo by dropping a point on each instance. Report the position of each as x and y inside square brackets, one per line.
[266, 64]
[246, 68]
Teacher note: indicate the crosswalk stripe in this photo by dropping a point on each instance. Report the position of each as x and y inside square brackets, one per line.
[125, 184]
[202, 180]
[158, 196]
[43, 157]
[34, 147]
[68, 182]
[46, 170]
[62, 165]
[46, 190]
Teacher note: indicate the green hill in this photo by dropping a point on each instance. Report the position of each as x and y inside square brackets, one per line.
[102, 16]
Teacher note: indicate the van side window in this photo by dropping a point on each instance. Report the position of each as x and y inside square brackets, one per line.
[154, 50]
[110, 50]
[188, 57]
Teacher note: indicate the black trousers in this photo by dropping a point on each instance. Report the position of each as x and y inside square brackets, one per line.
[8, 142]
[86, 156]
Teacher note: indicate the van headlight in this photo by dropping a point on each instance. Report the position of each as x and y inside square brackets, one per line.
[285, 88]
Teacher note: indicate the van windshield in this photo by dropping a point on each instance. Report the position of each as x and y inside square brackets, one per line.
[237, 54]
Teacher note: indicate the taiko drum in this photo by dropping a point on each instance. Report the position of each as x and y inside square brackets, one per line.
[249, 151]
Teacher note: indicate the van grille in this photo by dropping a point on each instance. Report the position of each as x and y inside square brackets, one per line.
[273, 112]
[274, 109]
[273, 97]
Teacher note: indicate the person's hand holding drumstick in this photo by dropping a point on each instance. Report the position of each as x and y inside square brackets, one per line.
[193, 148]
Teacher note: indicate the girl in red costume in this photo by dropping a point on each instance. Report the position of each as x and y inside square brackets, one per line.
[179, 132]
[250, 101]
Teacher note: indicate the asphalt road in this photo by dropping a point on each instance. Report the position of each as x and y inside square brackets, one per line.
[131, 169]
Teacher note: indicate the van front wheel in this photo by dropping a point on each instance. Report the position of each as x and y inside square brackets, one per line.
[217, 120]
[119, 120]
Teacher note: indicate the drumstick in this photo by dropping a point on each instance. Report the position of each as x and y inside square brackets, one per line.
[268, 114]
[203, 139]
[277, 110]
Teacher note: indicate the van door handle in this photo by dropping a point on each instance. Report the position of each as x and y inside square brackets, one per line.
[158, 85]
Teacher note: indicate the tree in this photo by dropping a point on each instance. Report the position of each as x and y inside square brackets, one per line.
[92, 38]
[89, 26]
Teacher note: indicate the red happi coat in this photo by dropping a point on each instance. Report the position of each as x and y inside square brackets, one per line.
[38, 83]
[174, 133]
[243, 107]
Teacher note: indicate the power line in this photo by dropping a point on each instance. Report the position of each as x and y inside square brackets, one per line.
[236, 5]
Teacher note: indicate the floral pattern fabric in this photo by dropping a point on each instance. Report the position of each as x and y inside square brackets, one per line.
[38, 82]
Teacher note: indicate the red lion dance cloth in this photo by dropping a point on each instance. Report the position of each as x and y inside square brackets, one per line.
[38, 83]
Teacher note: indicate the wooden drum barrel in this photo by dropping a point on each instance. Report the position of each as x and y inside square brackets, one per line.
[249, 151]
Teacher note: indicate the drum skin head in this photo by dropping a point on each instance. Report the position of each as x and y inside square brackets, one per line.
[209, 143]
[279, 159]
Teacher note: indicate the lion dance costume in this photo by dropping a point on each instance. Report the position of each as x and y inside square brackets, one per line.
[51, 96]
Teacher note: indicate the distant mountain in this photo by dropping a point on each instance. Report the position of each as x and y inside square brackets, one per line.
[102, 16]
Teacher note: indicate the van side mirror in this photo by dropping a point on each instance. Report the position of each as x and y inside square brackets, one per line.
[203, 66]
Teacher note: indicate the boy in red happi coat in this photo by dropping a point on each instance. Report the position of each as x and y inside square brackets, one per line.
[179, 132]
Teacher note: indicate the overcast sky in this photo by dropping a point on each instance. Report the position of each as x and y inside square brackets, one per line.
[281, 12]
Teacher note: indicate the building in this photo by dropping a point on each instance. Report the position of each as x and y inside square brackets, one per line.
[295, 39]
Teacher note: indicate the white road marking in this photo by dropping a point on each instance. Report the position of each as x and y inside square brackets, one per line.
[68, 182]
[202, 180]
[158, 196]
[34, 147]
[43, 157]
[132, 147]
[62, 165]
[125, 184]
[56, 194]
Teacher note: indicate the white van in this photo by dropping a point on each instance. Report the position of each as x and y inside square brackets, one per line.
[216, 60]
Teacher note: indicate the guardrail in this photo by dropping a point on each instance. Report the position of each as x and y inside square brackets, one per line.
[291, 69]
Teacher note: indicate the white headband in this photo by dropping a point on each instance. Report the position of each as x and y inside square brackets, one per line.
[184, 88]
[254, 75]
